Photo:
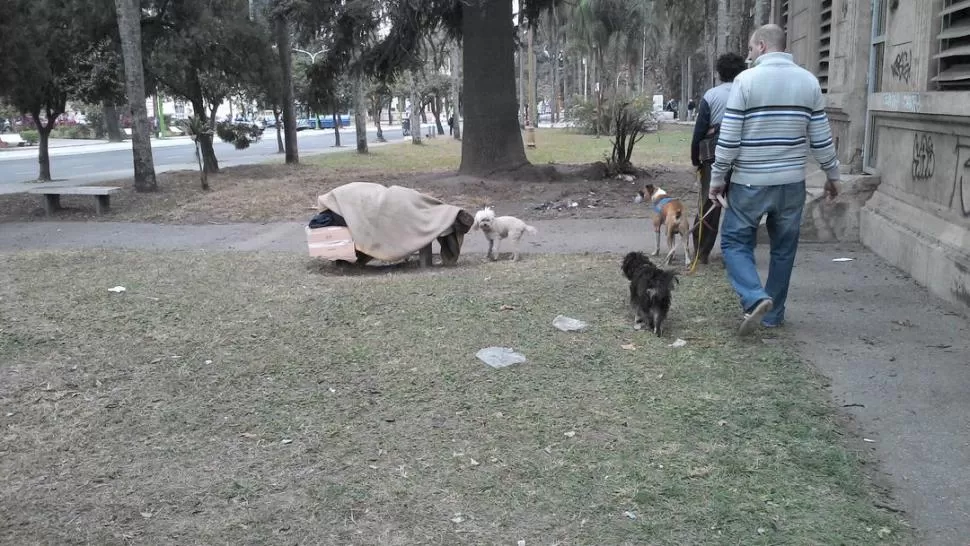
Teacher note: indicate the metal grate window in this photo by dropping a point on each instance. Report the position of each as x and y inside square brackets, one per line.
[824, 45]
[954, 57]
[784, 16]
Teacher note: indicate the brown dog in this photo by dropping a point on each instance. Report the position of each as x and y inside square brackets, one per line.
[670, 213]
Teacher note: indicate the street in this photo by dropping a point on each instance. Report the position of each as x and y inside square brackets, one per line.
[89, 163]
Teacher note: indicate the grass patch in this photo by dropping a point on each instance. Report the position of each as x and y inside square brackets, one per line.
[243, 398]
[277, 192]
[670, 146]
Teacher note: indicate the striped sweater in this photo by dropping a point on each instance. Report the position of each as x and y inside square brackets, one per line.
[774, 117]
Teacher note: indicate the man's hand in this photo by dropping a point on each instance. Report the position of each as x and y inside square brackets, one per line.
[715, 192]
[831, 190]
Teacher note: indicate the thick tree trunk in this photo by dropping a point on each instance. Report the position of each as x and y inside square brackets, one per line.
[759, 13]
[456, 90]
[282, 30]
[492, 141]
[129, 25]
[112, 126]
[415, 107]
[520, 87]
[210, 163]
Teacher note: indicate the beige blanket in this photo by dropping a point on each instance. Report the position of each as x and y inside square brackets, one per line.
[389, 223]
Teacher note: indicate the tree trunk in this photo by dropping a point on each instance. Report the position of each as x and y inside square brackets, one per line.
[282, 28]
[280, 148]
[723, 28]
[43, 150]
[336, 128]
[520, 87]
[492, 140]
[360, 115]
[455, 90]
[378, 110]
[111, 123]
[436, 111]
[555, 64]
[759, 13]
[708, 46]
[129, 25]
[415, 106]
[210, 163]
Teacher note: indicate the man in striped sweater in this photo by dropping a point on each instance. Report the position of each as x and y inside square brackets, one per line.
[775, 115]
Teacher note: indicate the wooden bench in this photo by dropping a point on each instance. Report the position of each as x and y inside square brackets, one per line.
[52, 201]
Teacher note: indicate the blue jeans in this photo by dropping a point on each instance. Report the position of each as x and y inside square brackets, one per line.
[746, 205]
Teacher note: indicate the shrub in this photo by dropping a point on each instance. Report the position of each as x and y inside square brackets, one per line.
[240, 135]
[30, 136]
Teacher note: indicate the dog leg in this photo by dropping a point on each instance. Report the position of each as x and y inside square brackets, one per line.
[657, 251]
[637, 319]
[656, 319]
[515, 249]
[670, 255]
[491, 245]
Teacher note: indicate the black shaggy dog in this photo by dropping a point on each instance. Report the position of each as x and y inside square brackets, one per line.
[650, 288]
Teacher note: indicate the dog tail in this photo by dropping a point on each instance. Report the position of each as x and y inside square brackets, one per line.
[531, 230]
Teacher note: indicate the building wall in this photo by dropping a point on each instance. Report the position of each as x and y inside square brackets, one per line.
[919, 139]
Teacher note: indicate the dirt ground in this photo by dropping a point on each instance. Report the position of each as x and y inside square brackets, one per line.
[275, 192]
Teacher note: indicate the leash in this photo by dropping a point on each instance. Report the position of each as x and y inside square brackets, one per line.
[700, 223]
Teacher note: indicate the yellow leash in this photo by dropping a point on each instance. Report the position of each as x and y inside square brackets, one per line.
[700, 223]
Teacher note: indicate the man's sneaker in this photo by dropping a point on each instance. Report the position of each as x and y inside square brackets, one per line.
[753, 318]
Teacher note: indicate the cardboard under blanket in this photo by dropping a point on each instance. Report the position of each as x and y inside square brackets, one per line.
[389, 223]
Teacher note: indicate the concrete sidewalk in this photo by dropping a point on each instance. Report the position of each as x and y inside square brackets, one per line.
[896, 356]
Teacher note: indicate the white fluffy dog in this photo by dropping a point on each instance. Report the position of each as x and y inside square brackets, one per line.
[497, 228]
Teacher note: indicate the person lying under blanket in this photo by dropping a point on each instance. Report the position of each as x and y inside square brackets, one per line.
[392, 223]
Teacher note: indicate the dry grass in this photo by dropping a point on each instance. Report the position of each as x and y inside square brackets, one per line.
[277, 192]
[254, 399]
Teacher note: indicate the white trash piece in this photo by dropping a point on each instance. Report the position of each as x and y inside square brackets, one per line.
[567, 324]
[117, 289]
[500, 357]
[842, 259]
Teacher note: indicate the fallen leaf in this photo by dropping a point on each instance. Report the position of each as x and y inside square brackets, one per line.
[569, 434]
[842, 259]
[660, 376]
[868, 440]
[207, 362]
[629, 347]
[884, 532]
[762, 530]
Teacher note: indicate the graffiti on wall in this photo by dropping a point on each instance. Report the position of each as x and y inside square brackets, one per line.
[902, 67]
[960, 192]
[924, 161]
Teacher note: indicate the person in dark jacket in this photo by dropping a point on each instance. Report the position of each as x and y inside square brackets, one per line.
[710, 111]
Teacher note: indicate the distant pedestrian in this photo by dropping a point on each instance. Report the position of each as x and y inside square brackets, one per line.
[451, 125]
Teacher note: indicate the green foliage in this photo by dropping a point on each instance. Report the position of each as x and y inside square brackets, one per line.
[30, 136]
[240, 135]
[78, 132]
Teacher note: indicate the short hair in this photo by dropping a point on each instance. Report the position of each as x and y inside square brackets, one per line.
[772, 35]
[729, 66]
